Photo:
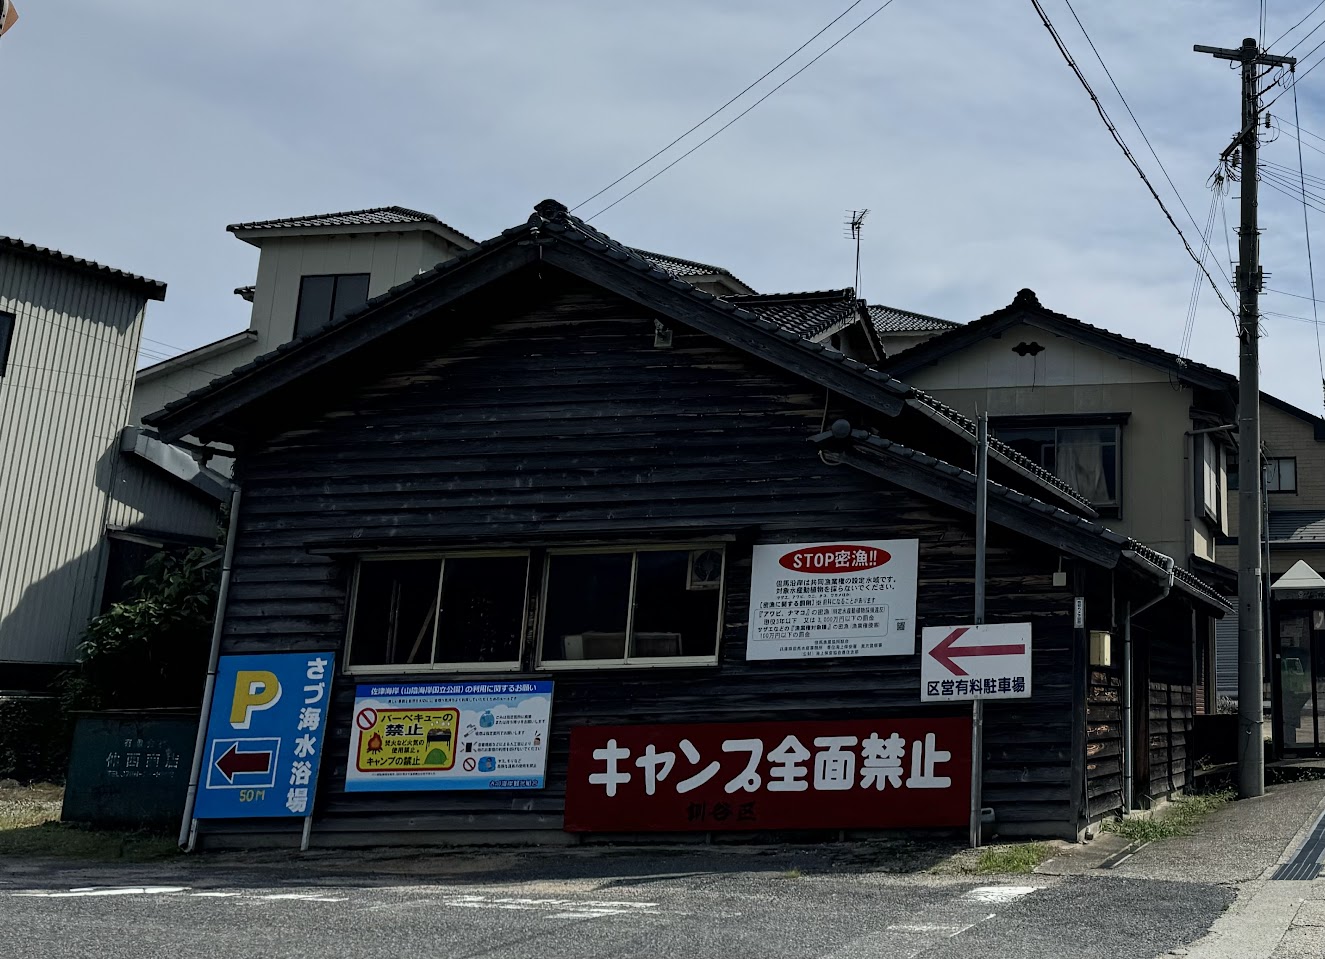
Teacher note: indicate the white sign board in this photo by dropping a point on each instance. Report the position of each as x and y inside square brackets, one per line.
[975, 662]
[820, 600]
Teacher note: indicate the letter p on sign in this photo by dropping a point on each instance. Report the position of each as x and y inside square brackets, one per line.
[255, 690]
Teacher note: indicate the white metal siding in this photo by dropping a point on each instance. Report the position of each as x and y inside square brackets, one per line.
[63, 400]
[1226, 654]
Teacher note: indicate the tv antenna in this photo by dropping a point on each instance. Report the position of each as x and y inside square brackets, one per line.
[855, 226]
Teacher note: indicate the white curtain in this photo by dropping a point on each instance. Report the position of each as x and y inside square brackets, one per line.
[1080, 461]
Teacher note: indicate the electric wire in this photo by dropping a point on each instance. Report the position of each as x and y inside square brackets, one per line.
[1193, 301]
[1294, 26]
[1122, 145]
[1137, 123]
[719, 109]
[802, 69]
[1311, 270]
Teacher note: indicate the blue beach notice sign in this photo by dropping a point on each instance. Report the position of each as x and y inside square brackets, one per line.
[264, 735]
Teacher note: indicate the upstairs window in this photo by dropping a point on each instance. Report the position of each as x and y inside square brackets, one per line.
[449, 611]
[1281, 474]
[627, 607]
[1212, 480]
[323, 299]
[6, 337]
[1084, 457]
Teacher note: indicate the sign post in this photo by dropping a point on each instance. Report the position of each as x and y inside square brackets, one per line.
[264, 737]
[977, 704]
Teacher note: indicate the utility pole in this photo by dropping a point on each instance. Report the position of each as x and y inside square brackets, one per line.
[1251, 714]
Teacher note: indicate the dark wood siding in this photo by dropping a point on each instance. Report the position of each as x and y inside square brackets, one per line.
[563, 420]
[1104, 742]
[1171, 700]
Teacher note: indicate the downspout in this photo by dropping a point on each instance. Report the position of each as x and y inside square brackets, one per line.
[1129, 748]
[188, 829]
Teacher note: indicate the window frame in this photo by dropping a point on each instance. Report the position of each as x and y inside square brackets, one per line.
[1213, 457]
[433, 665]
[1056, 425]
[627, 661]
[1266, 471]
[335, 286]
[8, 323]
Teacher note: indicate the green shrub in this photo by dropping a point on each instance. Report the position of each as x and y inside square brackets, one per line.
[150, 651]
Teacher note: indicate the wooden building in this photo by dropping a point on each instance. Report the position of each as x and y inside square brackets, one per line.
[548, 420]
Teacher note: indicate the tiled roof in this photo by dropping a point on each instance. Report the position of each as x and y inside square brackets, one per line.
[377, 216]
[888, 319]
[553, 217]
[809, 314]
[1151, 556]
[1026, 302]
[1299, 527]
[685, 269]
[998, 448]
[155, 289]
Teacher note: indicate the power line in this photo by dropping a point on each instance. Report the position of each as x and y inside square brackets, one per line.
[719, 109]
[1299, 77]
[1311, 270]
[1137, 123]
[1294, 26]
[1297, 296]
[1117, 137]
[815, 59]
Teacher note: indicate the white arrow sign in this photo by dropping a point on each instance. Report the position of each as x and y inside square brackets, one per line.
[975, 662]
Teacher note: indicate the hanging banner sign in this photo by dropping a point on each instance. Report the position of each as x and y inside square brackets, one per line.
[820, 600]
[264, 735]
[975, 662]
[489, 735]
[853, 774]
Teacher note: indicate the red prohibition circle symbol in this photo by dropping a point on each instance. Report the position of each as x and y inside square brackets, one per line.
[366, 719]
[469, 764]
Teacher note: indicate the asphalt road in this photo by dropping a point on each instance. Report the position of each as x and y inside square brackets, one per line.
[702, 905]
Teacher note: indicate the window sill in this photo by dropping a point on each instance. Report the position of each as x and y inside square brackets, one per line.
[429, 668]
[595, 664]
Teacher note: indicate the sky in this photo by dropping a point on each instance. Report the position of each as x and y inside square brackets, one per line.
[135, 131]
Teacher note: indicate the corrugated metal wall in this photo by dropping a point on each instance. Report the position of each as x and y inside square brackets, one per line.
[63, 399]
[1226, 654]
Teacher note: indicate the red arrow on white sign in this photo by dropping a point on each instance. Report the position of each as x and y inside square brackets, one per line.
[946, 652]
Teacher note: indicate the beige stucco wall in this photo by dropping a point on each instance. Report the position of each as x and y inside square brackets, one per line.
[1071, 377]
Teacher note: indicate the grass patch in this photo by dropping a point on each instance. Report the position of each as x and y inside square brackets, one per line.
[792, 873]
[1179, 819]
[30, 826]
[1023, 857]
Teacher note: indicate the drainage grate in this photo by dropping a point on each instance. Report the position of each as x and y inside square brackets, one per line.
[1305, 863]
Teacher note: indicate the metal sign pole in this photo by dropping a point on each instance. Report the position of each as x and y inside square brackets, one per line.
[977, 704]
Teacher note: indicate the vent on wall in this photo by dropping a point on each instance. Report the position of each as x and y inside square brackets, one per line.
[704, 570]
[1027, 349]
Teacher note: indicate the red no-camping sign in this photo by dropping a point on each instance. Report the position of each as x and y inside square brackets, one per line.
[853, 774]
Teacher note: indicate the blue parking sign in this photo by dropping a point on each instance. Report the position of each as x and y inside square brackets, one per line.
[264, 735]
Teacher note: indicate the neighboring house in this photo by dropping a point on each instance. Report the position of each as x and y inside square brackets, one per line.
[1293, 451]
[1144, 434]
[836, 318]
[550, 458]
[73, 501]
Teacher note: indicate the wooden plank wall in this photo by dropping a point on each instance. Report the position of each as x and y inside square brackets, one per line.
[1104, 742]
[563, 418]
[1171, 701]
